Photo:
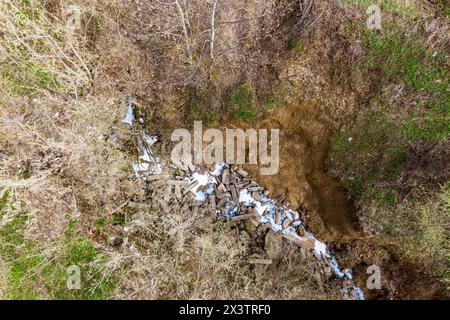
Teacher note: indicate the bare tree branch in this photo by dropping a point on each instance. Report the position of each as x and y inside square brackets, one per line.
[185, 31]
[213, 30]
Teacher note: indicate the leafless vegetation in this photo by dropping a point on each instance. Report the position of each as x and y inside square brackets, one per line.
[66, 68]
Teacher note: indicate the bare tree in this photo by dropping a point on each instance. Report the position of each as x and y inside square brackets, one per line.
[213, 30]
[184, 22]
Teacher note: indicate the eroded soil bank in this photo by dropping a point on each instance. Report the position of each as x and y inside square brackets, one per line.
[301, 180]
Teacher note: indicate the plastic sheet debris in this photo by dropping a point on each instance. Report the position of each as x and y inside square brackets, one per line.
[202, 180]
[147, 164]
[352, 293]
[129, 116]
[224, 179]
[236, 197]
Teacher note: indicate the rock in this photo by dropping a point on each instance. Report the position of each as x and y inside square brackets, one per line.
[242, 172]
[286, 222]
[114, 241]
[223, 195]
[222, 202]
[234, 193]
[212, 203]
[222, 188]
[278, 216]
[225, 176]
[244, 185]
[243, 217]
[301, 231]
[256, 196]
[250, 226]
[273, 245]
[307, 244]
[261, 229]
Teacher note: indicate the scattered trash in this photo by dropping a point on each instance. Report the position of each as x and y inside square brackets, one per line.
[129, 116]
[147, 164]
[234, 196]
[225, 180]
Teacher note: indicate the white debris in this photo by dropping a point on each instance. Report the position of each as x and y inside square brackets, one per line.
[146, 156]
[138, 168]
[218, 169]
[246, 199]
[149, 140]
[359, 294]
[270, 212]
[201, 179]
[320, 248]
[353, 293]
[158, 166]
[203, 185]
[147, 163]
[129, 116]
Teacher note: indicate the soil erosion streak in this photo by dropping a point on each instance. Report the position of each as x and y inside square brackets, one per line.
[301, 178]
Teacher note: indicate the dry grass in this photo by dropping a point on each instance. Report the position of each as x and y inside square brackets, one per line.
[62, 182]
[400, 190]
[56, 166]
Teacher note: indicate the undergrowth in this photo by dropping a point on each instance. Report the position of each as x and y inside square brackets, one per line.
[34, 272]
[370, 155]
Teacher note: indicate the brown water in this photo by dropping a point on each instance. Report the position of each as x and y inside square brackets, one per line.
[304, 140]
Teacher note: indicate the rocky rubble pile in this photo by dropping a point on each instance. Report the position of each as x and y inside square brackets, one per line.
[229, 193]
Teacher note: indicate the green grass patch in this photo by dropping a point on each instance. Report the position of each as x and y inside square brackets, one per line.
[27, 79]
[389, 6]
[239, 104]
[427, 239]
[444, 8]
[94, 285]
[32, 274]
[198, 108]
[377, 150]
[369, 155]
[402, 57]
[294, 45]
[429, 129]
[272, 104]
[100, 223]
[368, 152]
